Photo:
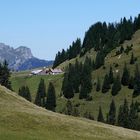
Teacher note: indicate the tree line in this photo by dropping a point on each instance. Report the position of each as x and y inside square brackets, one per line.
[102, 37]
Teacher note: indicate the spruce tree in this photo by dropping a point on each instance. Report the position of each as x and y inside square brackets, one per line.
[5, 75]
[132, 60]
[106, 84]
[125, 76]
[41, 94]
[116, 87]
[131, 83]
[136, 82]
[25, 93]
[111, 77]
[98, 86]
[86, 81]
[123, 115]
[112, 113]
[133, 116]
[120, 118]
[51, 98]
[100, 115]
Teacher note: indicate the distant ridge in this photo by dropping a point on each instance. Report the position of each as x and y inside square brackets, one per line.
[21, 58]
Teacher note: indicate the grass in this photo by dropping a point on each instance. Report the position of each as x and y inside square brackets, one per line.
[20, 120]
[99, 99]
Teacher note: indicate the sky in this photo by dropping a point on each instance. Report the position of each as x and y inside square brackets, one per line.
[48, 26]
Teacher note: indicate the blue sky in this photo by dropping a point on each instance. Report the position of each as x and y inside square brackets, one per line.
[47, 26]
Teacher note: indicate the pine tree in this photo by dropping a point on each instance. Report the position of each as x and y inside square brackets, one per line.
[100, 115]
[111, 77]
[51, 98]
[125, 76]
[136, 82]
[132, 60]
[98, 86]
[5, 75]
[116, 87]
[25, 93]
[112, 113]
[99, 61]
[106, 84]
[41, 94]
[133, 116]
[86, 83]
[131, 83]
[120, 118]
[123, 116]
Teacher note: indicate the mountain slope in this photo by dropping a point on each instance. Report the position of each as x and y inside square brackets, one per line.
[21, 58]
[20, 119]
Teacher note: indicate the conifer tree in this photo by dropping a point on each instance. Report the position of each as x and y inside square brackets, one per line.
[99, 61]
[106, 84]
[51, 98]
[132, 60]
[136, 82]
[131, 83]
[5, 75]
[98, 86]
[111, 77]
[123, 116]
[41, 94]
[25, 93]
[86, 83]
[112, 113]
[125, 76]
[133, 116]
[100, 115]
[116, 87]
[120, 119]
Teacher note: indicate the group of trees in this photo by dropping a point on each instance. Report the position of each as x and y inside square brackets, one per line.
[43, 99]
[77, 78]
[47, 100]
[5, 75]
[115, 82]
[127, 116]
[103, 38]
[70, 53]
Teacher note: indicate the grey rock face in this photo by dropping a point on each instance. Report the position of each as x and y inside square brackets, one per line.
[16, 57]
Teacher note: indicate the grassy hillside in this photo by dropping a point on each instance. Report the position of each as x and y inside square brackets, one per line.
[99, 98]
[20, 120]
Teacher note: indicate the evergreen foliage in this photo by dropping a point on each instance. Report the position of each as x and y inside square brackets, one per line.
[111, 77]
[5, 75]
[123, 116]
[70, 53]
[116, 87]
[112, 114]
[103, 38]
[25, 93]
[132, 60]
[125, 76]
[51, 98]
[100, 115]
[86, 83]
[41, 94]
[131, 83]
[136, 82]
[106, 84]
